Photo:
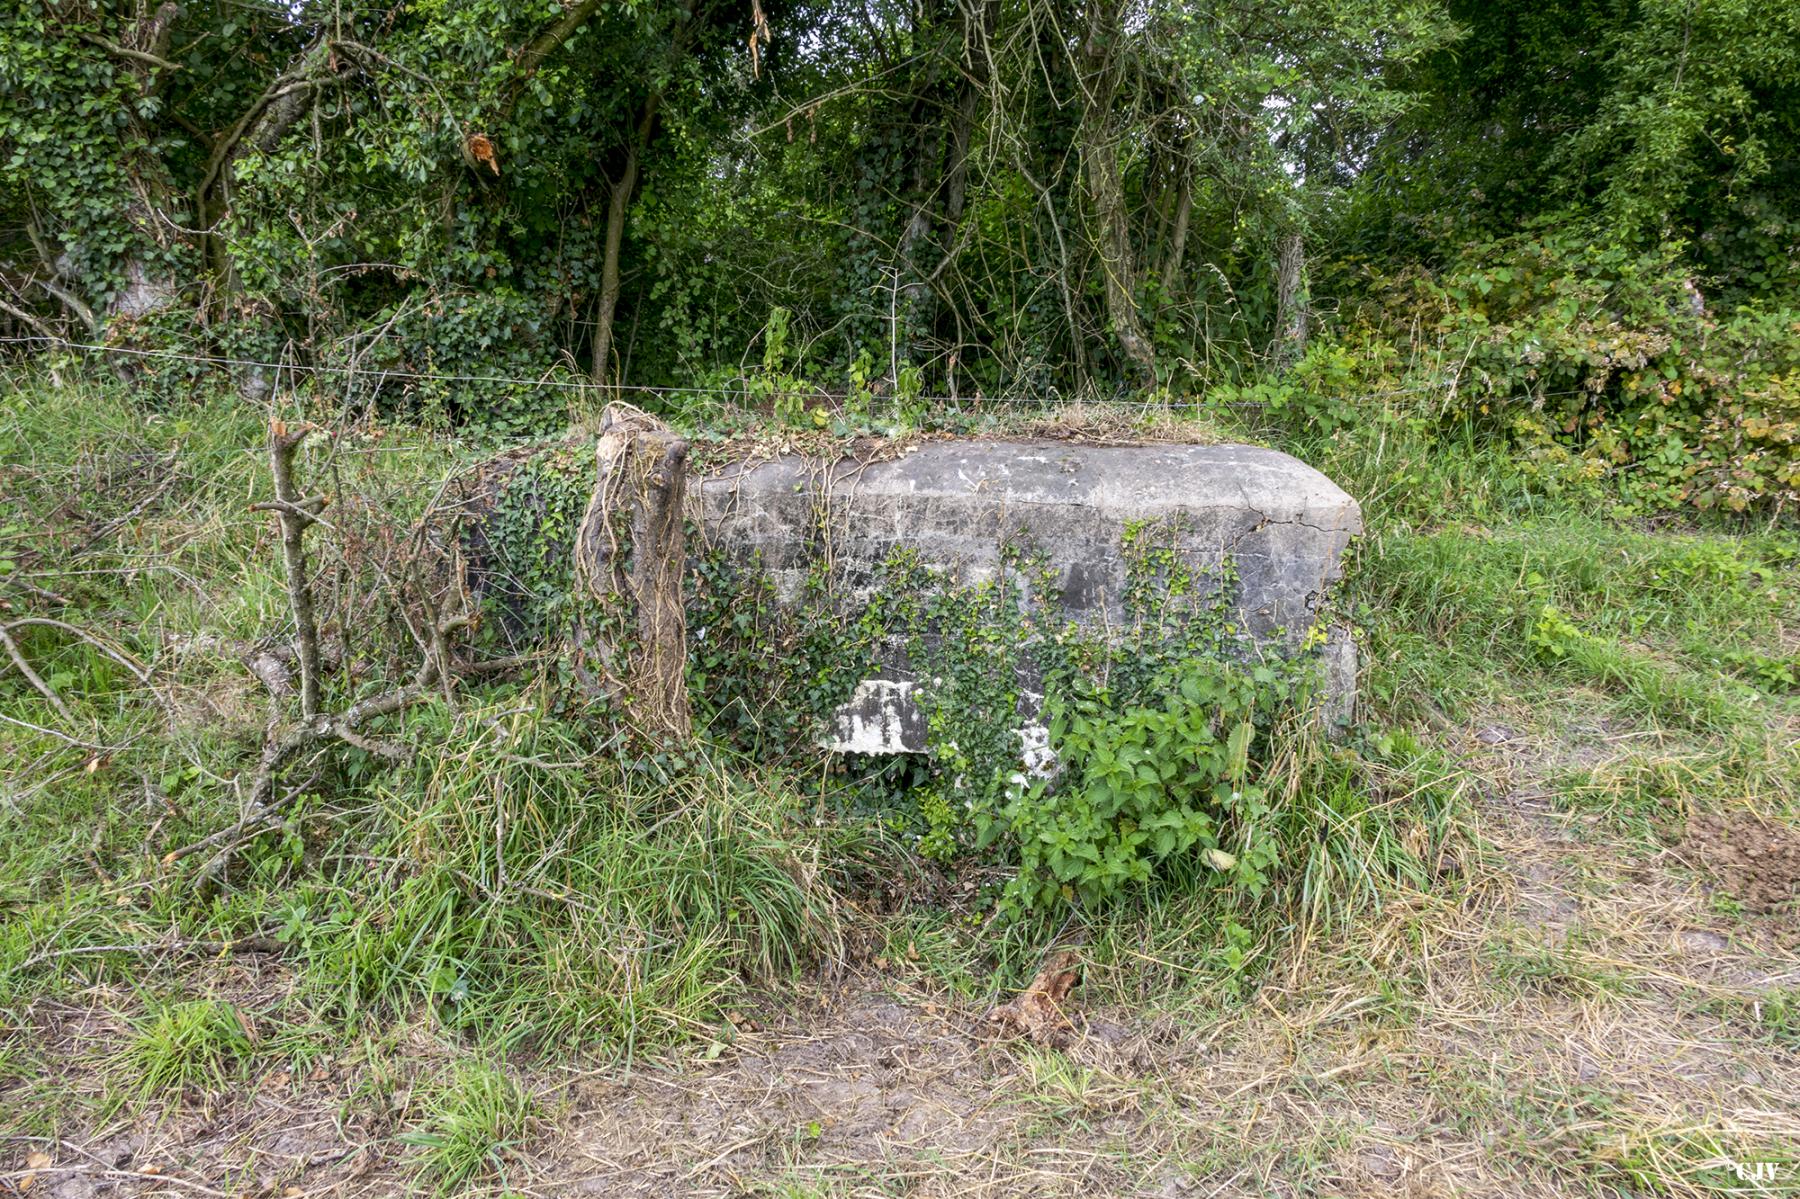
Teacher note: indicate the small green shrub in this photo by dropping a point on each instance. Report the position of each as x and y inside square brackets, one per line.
[1552, 632]
[1163, 727]
[783, 390]
[1143, 785]
[1771, 672]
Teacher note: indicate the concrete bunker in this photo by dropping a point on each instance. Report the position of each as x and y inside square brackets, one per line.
[595, 523]
[958, 503]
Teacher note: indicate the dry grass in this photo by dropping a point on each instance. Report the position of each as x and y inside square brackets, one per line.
[1573, 1017]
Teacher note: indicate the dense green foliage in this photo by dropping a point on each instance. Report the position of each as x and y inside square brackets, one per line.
[524, 886]
[1167, 729]
[870, 203]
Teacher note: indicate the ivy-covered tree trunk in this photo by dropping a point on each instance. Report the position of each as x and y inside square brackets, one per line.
[629, 555]
[1292, 307]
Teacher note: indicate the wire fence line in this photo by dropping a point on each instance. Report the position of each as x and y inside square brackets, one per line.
[377, 377]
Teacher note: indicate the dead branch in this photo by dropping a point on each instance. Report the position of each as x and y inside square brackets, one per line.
[419, 597]
[26, 318]
[306, 510]
[296, 511]
[141, 56]
[23, 665]
[258, 945]
[73, 303]
[137, 669]
[319, 731]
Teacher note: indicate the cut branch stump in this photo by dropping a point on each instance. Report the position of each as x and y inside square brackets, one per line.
[629, 555]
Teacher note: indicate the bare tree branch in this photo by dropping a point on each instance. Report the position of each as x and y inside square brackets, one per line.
[295, 512]
[31, 676]
[143, 56]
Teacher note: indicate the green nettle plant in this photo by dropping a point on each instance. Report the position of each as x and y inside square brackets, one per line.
[1142, 786]
[1164, 733]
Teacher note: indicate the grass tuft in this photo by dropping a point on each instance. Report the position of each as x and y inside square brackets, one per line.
[473, 1122]
[190, 1045]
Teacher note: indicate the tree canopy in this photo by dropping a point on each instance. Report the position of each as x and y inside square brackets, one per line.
[1030, 197]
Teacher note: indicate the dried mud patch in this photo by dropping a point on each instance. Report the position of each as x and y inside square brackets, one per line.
[870, 1080]
[1757, 862]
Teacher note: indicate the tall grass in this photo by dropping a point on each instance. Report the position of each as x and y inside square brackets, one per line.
[516, 880]
[194, 1044]
[520, 884]
[1633, 614]
[533, 892]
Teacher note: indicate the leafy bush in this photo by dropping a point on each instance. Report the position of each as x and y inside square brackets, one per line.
[1162, 727]
[493, 343]
[1604, 366]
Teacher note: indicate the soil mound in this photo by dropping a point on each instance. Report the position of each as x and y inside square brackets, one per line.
[1757, 862]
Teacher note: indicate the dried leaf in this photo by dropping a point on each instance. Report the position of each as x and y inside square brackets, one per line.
[481, 150]
[1036, 1013]
[35, 1161]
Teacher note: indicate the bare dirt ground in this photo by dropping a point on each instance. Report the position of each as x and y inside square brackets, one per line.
[1579, 1013]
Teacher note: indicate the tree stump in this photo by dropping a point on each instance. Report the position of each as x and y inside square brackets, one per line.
[629, 555]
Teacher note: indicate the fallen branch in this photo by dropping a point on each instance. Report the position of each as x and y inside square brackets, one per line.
[177, 945]
[320, 730]
[23, 666]
[137, 669]
[77, 742]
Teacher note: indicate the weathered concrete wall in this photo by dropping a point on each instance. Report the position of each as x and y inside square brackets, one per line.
[957, 503]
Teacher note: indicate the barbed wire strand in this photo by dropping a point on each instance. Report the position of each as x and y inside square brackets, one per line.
[379, 376]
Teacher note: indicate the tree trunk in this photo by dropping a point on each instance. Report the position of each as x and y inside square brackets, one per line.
[1292, 303]
[1112, 239]
[1100, 143]
[618, 207]
[630, 553]
[1184, 212]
